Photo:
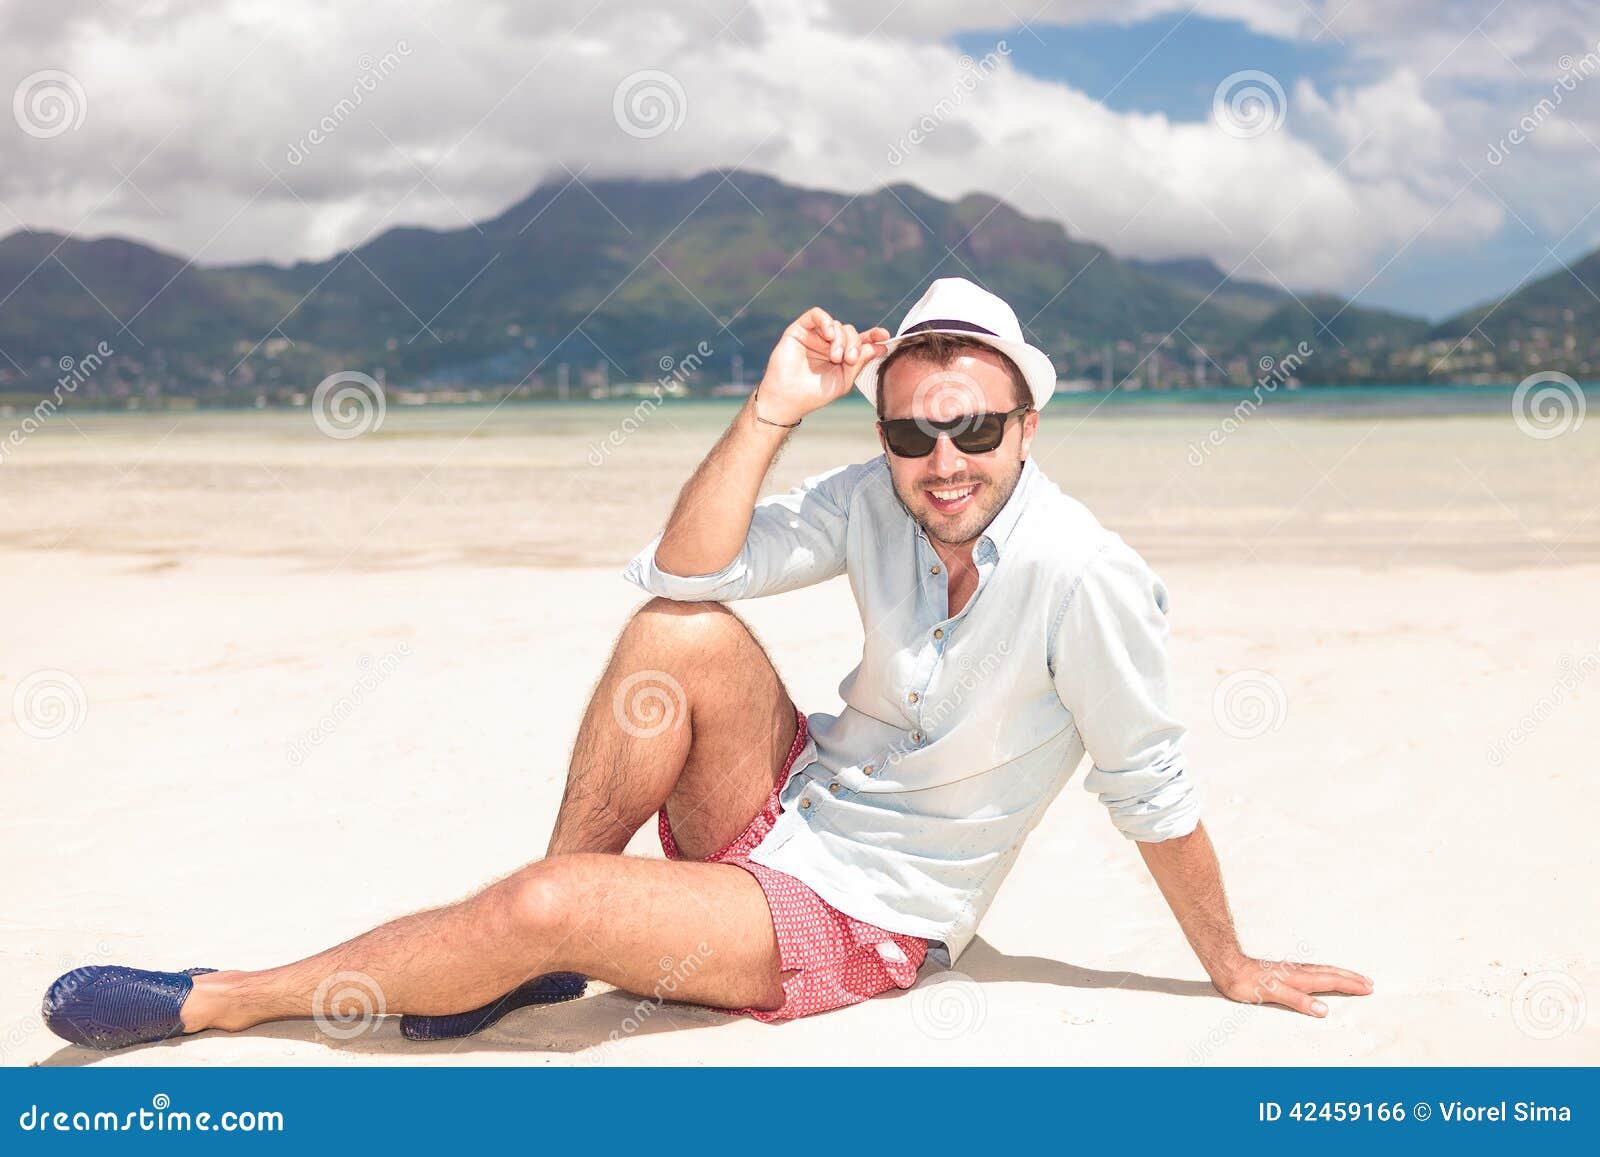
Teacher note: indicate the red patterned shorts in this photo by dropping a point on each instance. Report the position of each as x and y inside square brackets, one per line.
[836, 959]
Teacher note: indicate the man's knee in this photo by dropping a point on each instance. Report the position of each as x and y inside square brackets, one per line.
[693, 628]
[542, 899]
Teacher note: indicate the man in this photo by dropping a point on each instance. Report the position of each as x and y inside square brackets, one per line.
[813, 863]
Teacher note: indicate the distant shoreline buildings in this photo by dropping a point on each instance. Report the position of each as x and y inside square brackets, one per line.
[1156, 366]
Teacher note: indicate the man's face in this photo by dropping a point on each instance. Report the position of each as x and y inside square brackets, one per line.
[954, 495]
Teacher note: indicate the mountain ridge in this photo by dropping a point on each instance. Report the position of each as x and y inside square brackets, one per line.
[620, 276]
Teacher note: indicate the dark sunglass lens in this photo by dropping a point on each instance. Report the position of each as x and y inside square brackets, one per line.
[987, 433]
[907, 439]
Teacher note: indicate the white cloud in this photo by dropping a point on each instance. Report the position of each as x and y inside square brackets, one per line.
[488, 99]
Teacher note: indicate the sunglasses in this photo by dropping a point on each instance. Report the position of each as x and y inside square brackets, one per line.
[970, 433]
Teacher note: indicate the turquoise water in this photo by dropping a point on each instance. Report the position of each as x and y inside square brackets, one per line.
[1398, 400]
[1388, 401]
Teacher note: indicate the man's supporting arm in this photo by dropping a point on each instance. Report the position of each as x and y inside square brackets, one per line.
[1112, 672]
[1186, 870]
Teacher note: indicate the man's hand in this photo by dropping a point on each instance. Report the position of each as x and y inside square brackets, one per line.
[1284, 982]
[1185, 868]
[815, 361]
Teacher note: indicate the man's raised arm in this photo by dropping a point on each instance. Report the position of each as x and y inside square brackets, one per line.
[814, 362]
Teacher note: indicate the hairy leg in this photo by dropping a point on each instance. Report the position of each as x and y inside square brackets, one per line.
[689, 713]
[629, 921]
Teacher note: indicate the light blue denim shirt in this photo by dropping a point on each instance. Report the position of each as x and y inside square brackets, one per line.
[908, 808]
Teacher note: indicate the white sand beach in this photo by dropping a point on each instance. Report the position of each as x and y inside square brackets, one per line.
[1411, 602]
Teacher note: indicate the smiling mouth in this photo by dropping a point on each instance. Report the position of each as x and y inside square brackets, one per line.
[951, 499]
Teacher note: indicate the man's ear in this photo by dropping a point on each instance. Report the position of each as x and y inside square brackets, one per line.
[1030, 427]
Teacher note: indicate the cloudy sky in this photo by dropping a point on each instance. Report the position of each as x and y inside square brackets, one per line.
[1362, 146]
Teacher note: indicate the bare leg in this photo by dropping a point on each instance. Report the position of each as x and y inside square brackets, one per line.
[626, 920]
[688, 714]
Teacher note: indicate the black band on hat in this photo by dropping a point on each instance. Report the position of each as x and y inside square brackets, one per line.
[965, 326]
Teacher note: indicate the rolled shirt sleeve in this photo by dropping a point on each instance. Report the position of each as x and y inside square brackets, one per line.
[795, 539]
[1109, 662]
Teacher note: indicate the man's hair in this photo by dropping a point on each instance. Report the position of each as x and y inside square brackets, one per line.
[943, 348]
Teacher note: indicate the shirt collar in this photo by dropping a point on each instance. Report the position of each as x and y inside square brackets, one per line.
[1001, 527]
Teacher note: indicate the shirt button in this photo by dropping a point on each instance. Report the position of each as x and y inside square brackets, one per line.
[916, 737]
[938, 633]
[867, 770]
[805, 803]
[834, 788]
[933, 570]
[912, 697]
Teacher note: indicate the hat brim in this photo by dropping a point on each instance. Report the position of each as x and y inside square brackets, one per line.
[1037, 369]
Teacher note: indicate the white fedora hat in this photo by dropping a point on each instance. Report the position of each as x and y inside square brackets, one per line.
[956, 306]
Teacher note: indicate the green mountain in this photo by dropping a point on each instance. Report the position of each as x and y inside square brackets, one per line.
[632, 273]
[60, 295]
[1204, 277]
[1550, 323]
[1323, 320]
[1559, 302]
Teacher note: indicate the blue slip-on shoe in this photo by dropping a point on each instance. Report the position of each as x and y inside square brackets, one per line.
[111, 1006]
[551, 988]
